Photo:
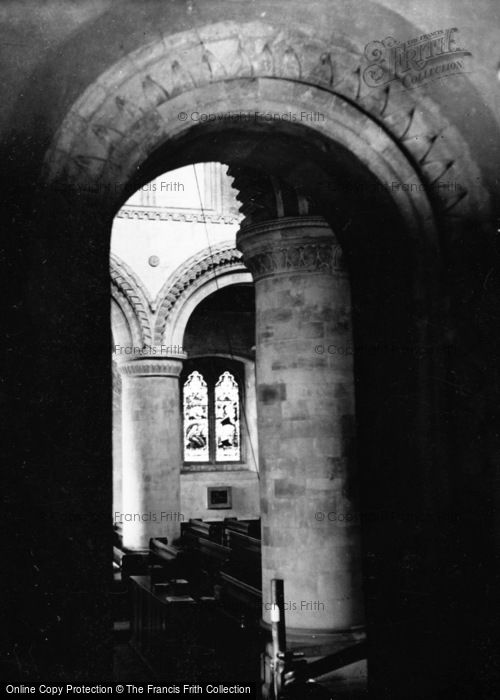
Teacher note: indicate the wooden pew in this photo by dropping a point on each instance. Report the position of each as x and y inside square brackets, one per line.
[251, 528]
[197, 586]
[198, 560]
[245, 559]
[231, 570]
[204, 560]
[159, 621]
[166, 561]
[196, 528]
[130, 563]
[241, 580]
[173, 633]
[211, 557]
[239, 556]
[125, 565]
[241, 601]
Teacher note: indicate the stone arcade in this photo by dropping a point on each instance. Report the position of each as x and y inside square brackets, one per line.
[366, 223]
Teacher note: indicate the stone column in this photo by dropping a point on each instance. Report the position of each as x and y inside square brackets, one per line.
[305, 394]
[152, 454]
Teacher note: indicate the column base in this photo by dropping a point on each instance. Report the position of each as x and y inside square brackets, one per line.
[316, 645]
[319, 642]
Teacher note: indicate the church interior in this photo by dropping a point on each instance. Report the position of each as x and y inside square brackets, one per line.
[186, 470]
[252, 383]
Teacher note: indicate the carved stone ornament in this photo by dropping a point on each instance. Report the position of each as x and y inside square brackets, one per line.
[293, 244]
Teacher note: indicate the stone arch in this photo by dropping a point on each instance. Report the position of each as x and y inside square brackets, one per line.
[125, 128]
[71, 233]
[197, 278]
[122, 334]
[135, 105]
[132, 300]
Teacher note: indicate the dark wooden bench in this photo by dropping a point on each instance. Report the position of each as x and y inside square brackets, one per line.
[130, 563]
[160, 620]
[198, 559]
[251, 528]
[166, 561]
[125, 565]
[212, 555]
[241, 582]
[240, 600]
[205, 559]
[231, 570]
[173, 632]
[245, 559]
[228, 573]
[196, 529]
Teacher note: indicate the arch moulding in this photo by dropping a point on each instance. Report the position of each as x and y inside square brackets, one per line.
[201, 275]
[131, 297]
[162, 322]
[146, 99]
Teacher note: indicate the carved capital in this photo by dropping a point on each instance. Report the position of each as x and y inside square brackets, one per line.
[153, 366]
[290, 245]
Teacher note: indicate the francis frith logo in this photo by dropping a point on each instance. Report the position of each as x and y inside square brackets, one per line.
[416, 61]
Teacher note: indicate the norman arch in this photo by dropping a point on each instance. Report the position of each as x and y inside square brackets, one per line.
[130, 306]
[284, 68]
[108, 124]
[200, 276]
[372, 138]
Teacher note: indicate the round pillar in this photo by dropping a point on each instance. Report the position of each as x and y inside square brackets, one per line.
[306, 423]
[152, 454]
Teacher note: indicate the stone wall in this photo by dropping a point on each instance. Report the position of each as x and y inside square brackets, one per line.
[244, 488]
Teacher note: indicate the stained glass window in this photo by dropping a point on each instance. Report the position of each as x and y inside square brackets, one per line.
[195, 405]
[212, 405]
[227, 419]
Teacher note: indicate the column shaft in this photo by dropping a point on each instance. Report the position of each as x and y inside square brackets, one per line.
[306, 422]
[152, 455]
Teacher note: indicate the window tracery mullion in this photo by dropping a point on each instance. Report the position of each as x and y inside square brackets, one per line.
[211, 421]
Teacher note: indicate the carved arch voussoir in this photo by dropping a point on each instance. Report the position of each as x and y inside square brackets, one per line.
[125, 108]
[133, 299]
[202, 267]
